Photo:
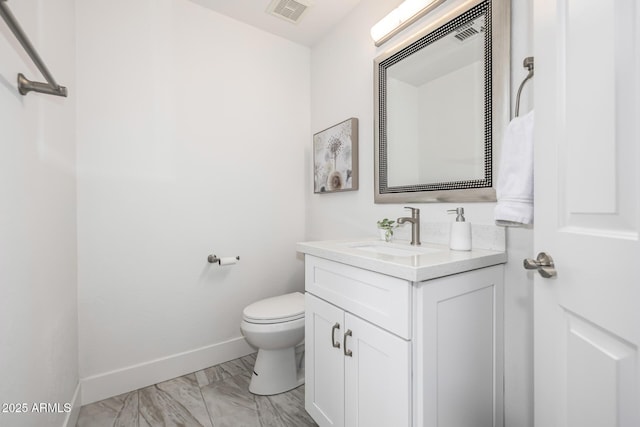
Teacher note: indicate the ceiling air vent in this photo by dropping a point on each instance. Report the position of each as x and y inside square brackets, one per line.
[468, 30]
[291, 10]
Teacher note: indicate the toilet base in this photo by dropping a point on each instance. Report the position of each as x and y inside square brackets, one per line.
[275, 371]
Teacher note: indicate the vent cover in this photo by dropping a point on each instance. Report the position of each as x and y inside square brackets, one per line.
[468, 30]
[290, 10]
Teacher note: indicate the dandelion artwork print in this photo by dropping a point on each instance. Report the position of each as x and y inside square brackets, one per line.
[335, 158]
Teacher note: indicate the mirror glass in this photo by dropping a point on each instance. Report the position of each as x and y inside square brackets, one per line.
[434, 136]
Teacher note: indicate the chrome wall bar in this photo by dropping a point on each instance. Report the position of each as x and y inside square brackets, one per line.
[25, 85]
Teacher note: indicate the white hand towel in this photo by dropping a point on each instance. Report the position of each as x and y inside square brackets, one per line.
[515, 181]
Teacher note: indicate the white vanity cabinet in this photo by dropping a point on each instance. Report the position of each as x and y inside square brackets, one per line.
[357, 373]
[386, 351]
[362, 379]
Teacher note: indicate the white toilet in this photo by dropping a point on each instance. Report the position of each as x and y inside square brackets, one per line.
[275, 326]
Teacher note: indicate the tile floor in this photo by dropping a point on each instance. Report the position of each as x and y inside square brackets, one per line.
[215, 397]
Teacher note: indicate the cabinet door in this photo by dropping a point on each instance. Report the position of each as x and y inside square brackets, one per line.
[324, 366]
[377, 376]
[459, 350]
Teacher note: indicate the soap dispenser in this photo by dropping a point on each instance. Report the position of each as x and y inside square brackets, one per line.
[460, 237]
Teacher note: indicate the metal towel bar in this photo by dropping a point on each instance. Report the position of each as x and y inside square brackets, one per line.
[528, 64]
[25, 85]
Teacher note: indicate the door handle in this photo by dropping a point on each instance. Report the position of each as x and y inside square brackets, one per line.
[347, 352]
[543, 263]
[334, 343]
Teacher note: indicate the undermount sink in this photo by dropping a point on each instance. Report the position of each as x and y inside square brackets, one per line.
[391, 249]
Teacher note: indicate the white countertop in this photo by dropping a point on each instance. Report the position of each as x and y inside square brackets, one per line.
[400, 259]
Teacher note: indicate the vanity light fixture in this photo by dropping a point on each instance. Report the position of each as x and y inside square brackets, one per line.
[401, 17]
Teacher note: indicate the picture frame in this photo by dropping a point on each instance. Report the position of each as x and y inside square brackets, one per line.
[335, 158]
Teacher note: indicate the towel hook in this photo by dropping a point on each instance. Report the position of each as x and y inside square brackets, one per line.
[528, 64]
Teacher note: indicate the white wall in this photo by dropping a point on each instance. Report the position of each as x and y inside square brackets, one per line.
[38, 314]
[342, 87]
[191, 136]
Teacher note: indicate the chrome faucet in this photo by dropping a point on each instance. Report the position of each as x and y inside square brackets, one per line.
[415, 224]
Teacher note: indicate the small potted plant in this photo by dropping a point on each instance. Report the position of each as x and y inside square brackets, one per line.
[386, 227]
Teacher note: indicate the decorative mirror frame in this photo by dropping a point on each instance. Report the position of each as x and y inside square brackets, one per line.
[497, 85]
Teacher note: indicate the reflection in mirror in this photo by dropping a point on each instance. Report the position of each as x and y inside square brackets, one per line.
[434, 112]
[429, 95]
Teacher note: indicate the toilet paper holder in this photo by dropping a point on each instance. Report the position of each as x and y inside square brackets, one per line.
[213, 259]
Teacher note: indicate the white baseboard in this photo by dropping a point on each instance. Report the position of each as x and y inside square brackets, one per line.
[109, 384]
[72, 417]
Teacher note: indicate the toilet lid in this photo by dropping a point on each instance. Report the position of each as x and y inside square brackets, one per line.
[282, 308]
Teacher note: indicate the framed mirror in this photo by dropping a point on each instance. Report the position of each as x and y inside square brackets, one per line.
[441, 104]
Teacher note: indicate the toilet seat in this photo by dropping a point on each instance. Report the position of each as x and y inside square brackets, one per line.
[283, 308]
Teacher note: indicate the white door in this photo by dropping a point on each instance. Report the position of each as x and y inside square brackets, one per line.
[587, 195]
[324, 362]
[377, 376]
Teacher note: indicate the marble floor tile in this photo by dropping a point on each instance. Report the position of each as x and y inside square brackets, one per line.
[290, 407]
[241, 366]
[117, 411]
[267, 413]
[230, 404]
[177, 402]
[214, 397]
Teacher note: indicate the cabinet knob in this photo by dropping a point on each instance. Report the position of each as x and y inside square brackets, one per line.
[347, 352]
[334, 343]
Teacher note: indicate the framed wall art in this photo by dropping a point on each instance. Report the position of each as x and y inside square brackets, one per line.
[335, 158]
